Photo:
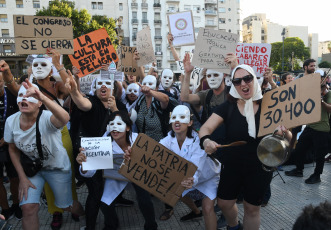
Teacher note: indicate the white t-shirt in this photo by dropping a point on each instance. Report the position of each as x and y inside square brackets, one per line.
[55, 155]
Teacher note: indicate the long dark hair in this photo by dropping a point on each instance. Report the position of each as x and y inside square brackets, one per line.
[125, 117]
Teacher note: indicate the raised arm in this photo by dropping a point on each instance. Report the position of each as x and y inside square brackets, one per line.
[268, 76]
[172, 48]
[8, 78]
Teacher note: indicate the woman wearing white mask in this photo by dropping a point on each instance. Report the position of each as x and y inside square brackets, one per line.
[241, 168]
[21, 134]
[167, 80]
[120, 130]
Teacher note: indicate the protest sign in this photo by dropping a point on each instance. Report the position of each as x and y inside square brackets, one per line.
[127, 64]
[256, 55]
[211, 48]
[156, 169]
[86, 82]
[181, 27]
[91, 51]
[145, 47]
[98, 151]
[293, 104]
[34, 34]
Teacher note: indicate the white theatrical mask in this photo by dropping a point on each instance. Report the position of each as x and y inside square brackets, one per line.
[99, 83]
[117, 125]
[150, 81]
[227, 80]
[133, 88]
[260, 80]
[22, 92]
[41, 67]
[214, 78]
[181, 113]
[167, 78]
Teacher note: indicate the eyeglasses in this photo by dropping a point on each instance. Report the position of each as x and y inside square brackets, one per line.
[247, 79]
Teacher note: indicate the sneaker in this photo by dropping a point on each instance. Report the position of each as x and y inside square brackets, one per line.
[313, 179]
[80, 184]
[294, 172]
[190, 216]
[240, 226]
[221, 222]
[17, 211]
[57, 221]
[122, 202]
[7, 213]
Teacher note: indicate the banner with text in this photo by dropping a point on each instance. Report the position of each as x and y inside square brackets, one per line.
[86, 82]
[34, 34]
[181, 27]
[256, 55]
[291, 105]
[145, 47]
[127, 64]
[91, 51]
[211, 49]
[156, 169]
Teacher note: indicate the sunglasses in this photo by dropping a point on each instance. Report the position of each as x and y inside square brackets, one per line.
[247, 79]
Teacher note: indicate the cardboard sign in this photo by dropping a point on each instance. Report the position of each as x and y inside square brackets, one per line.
[127, 64]
[91, 51]
[181, 27]
[145, 47]
[98, 151]
[86, 82]
[156, 169]
[211, 49]
[256, 55]
[291, 105]
[34, 34]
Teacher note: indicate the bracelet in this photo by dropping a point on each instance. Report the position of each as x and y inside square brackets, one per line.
[59, 70]
[202, 140]
[9, 82]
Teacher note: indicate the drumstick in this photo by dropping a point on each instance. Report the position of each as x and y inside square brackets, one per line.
[236, 143]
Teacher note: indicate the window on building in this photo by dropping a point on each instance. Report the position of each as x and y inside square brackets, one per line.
[229, 9]
[156, 1]
[158, 63]
[196, 30]
[5, 32]
[134, 14]
[144, 15]
[262, 38]
[157, 16]
[196, 8]
[171, 56]
[222, 1]
[187, 7]
[229, 19]
[221, 10]
[229, 31]
[19, 3]
[171, 9]
[173, 66]
[210, 21]
[7, 48]
[100, 5]
[2, 3]
[158, 48]
[157, 31]
[36, 3]
[3, 18]
[197, 19]
[120, 6]
[94, 5]
[262, 31]
[221, 20]
[238, 21]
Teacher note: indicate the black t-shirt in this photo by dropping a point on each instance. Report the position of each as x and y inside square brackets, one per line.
[11, 108]
[236, 129]
[93, 121]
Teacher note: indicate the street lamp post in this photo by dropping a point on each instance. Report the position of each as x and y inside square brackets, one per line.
[283, 34]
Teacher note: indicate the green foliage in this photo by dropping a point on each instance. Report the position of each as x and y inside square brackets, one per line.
[324, 64]
[295, 45]
[82, 21]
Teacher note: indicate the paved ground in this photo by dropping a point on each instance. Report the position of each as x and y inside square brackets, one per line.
[285, 205]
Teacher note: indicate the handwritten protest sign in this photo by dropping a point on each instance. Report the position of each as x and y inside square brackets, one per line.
[98, 151]
[157, 169]
[211, 48]
[34, 34]
[181, 27]
[293, 104]
[145, 47]
[86, 82]
[256, 55]
[91, 51]
[127, 64]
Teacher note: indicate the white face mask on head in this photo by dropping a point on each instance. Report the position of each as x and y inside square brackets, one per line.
[228, 81]
[214, 78]
[150, 81]
[117, 125]
[22, 92]
[260, 80]
[181, 113]
[133, 88]
[167, 78]
[41, 67]
[100, 83]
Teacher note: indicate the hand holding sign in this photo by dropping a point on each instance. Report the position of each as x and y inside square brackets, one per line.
[112, 104]
[232, 60]
[81, 157]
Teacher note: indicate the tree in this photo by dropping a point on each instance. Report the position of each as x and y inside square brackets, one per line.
[82, 21]
[291, 45]
[324, 64]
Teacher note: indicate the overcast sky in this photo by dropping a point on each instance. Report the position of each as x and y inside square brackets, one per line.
[315, 14]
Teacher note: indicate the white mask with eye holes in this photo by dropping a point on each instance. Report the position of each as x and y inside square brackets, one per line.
[22, 92]
[117, 125]
[214, 78]
[150, 81]
[167, 78]
[260, 80]
[100, 83]
[181, 113]
[228, 81]
[133, 88]
[41, 67]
